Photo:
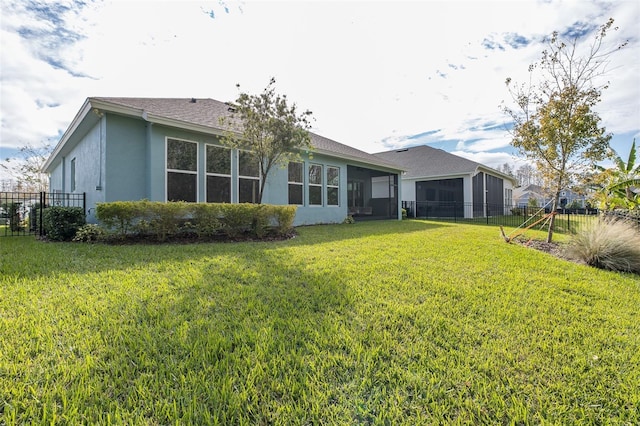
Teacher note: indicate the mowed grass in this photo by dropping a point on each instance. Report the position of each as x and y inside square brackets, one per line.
[411, 322]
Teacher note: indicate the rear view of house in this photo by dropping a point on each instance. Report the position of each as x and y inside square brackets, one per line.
[169, 149]
[439, 184]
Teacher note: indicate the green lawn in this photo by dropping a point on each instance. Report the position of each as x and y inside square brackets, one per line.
[410, 322]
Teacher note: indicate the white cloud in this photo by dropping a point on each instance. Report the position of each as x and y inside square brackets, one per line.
[373, 73]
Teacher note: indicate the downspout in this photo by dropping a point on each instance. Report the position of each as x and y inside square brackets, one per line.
[149, 127]
[100, 145]
[64, 174]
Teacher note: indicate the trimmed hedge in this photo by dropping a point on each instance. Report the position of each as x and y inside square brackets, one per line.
[62, 223]
[163, 220]
[120, 215]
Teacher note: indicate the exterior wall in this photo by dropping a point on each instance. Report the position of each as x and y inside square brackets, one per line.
[88, 165]
[125, 159]
[156, 174]
[152, 152]
[409, 190]
[122, 158]
[474, 203]
[56, 178]
[276, 192]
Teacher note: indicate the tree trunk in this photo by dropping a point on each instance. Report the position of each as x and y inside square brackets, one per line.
[554, 208]
[261, 190]
[263, 182]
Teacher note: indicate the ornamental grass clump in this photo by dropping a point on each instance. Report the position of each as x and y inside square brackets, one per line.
[608, 244]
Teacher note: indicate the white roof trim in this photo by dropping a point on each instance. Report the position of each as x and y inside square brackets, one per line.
[358, 160]
[84, 110]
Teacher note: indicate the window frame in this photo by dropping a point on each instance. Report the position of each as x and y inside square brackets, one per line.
[167, 170]
[208, 174]
[316, 185]
[295, 183]
[336, 187]
[257, 179]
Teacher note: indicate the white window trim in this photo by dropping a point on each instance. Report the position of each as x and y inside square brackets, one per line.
[167, 169]
[321, 185]
[206, 173]
[301, 183]
[258, 178]
[332, 186]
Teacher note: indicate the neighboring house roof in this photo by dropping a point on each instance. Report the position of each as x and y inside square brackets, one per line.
[525, 194]
[537, 189]
[429, 163]
[199, 115]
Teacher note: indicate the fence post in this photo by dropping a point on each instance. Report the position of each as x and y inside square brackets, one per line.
[40, 214]
[455, 212]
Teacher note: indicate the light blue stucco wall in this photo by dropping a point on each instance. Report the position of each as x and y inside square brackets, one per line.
[122, 158]
[126, 162]
[276, 187]
[277, 192]
[89, 163]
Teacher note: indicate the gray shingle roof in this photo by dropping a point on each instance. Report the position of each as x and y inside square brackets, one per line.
[206, 113]
[203, 112]
[425, 161]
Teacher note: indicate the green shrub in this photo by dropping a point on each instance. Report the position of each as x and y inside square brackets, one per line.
[120, 216]
[62, 223]
[262, 215]
[283, 218]
[206, 219]
[34, 217]
[404, 214]
[90, 233]
[608, 244]
[237, 219]
[13, 211]
[165, 218]
[349, 220]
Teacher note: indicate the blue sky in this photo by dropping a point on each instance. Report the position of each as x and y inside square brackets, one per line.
[377, 75]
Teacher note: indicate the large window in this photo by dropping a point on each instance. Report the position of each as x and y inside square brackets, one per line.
[182, 170]
[296, 185]
[315, 185]
[218, 174]
[248, 178]
[333, 186]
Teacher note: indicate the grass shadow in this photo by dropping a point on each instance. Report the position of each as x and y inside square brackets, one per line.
[28, 258]
[234, 337]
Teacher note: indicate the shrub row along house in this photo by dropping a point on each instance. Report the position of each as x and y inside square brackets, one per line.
[170, 149]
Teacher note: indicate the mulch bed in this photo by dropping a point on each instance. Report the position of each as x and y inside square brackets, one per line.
[554, 249]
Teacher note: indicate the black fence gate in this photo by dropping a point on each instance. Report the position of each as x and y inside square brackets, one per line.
[21, 212]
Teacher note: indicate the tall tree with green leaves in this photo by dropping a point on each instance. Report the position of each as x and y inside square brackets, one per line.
[619, 186]
[269, 128]
[555, 124]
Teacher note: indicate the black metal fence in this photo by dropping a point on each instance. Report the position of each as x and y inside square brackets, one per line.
[566, 221]
[632, 216]
[21, 212]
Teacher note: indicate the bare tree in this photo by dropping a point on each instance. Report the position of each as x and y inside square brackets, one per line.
[26, 168]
